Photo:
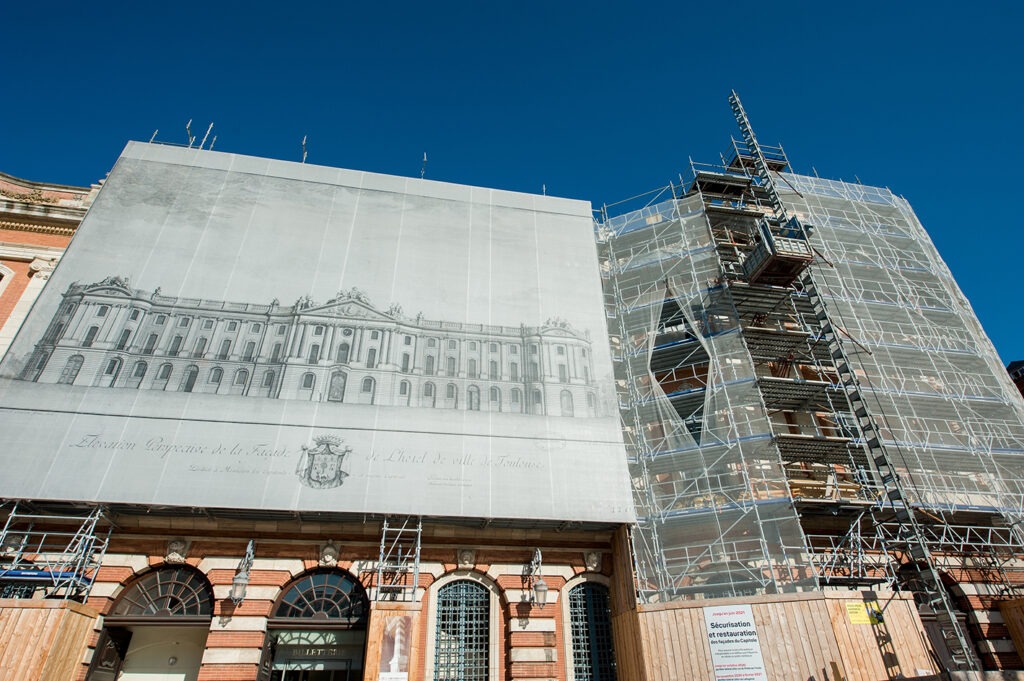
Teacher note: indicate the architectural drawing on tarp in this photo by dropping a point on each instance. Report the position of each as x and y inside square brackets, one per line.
[108, 334]
[808, 399]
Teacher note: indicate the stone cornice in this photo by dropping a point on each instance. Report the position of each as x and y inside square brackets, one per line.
[29, 252]
[60, 230]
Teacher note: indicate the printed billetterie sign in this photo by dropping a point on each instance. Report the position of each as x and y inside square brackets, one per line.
[735, 647]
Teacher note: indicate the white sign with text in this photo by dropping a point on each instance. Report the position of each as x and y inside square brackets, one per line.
[735, 647]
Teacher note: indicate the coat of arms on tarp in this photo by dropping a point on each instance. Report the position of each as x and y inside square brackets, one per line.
[320, 465]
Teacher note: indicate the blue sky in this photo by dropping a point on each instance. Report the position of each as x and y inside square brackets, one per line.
[595, 100]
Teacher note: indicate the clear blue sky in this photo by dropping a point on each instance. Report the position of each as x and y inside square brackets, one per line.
[596, 100]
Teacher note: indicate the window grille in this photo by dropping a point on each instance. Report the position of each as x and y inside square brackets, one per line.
[462, 642]
[593, 658]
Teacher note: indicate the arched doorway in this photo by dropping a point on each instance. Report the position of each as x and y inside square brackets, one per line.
[188, 380]
[157, 628]
[592, 655]
[317, 629]
[336, 391]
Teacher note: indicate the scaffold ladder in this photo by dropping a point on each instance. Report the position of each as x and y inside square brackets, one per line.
[919, 574]
[760, 164]
[398, 565]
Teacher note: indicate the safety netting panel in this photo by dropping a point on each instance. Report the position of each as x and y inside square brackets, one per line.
[711, 495]
[948, 416]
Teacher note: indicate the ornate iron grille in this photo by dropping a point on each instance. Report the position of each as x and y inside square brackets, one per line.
[593, 658]
[167, 592]
[463, 632]
[325, 595]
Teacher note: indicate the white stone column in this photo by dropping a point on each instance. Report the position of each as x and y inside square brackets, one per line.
[40, 272]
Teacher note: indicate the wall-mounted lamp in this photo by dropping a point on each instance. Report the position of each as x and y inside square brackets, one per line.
[539, 597]
[241, 579]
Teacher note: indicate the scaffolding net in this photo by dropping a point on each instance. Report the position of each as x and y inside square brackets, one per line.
[749, 359]
[947, 413]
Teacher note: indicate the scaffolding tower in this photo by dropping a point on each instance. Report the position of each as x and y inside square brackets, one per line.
[808, 400]
[50, 555]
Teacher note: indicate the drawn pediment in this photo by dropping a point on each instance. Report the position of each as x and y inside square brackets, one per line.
[111, 285]
[349, 308]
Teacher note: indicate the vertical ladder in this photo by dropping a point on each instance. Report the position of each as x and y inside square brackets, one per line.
[398, 565]
[919, 575]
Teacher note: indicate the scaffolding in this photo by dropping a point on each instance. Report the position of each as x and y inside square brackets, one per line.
[50, 555]
[808, 400]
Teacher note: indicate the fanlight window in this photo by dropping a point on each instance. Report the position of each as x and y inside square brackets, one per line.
[325, 596]
[169, 592]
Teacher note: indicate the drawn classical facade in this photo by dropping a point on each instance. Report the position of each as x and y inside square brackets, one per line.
[345, 350]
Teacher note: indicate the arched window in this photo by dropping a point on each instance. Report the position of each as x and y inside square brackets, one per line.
[90, 336]
[335, 597]
[566, 399]
[165, 372]
[495, 398]
[70, 371]
[367, 390]
[367, 386]
[538, 402]
[343, 353]
[113, 366]
[371, 358]
[148, 348]
[314, 353]
[308, 381]
[122, 340]
[593, 658]
[241, 376]
[473, 398]
[462, 637]
[268, 379]
[139, 370]
[216, 374]
[403, 388]
[166, 592]
[452, 391]
[428, 390]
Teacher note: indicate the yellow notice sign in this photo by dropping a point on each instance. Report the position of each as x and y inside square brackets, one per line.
[863, 613]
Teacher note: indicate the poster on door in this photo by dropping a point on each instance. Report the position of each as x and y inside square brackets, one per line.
[394, 649]
[735, 646]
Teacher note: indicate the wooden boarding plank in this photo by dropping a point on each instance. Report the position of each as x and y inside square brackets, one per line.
[803, 618]
[763, 625]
